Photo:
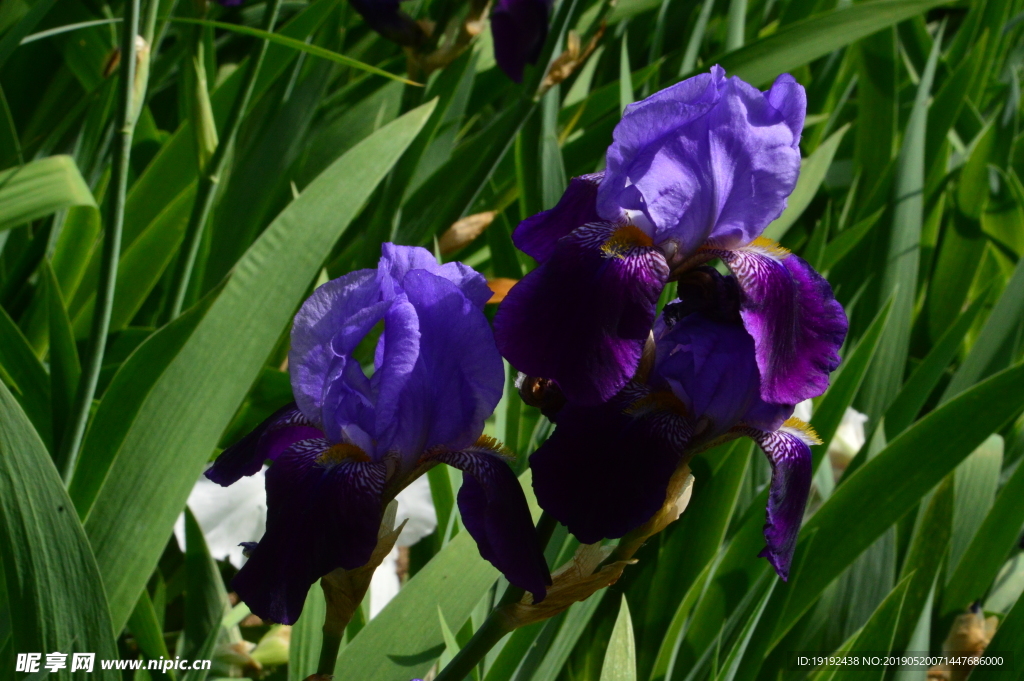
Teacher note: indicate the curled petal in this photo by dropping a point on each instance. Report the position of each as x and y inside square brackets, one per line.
[797, 324]
[709, 158]
[788, 451]
[582, 317]
[327, 328]
[495, 512]
[520, 28]
[398, 261]
[267, 441]
[456, 379]
[323, 512]
[606, 468]
[538, 235]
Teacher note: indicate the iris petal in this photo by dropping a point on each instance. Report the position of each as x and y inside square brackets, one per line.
[709, 158]
[322, 514]
[582, 317]
[797, 324]
[520, 28]
[538, 235]
[788, 451]
[605, 470]
[267, 441]
[495, 512]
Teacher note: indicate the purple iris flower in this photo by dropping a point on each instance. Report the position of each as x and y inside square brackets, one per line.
[351, 442]
[385, 17]
[520, 28]
[695, 172]
[606, 468]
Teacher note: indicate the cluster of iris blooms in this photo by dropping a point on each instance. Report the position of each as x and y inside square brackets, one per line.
[695, 173]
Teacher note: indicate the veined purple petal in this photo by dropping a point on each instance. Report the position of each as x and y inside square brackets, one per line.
[323, 512]
[797, 324]
[537, 235]
[495, 512]
[520, 28]
[397, 261]
[457, 377]
[606, 468]
[582, 317]
[788, 451]
[267, 441]
[709, 158]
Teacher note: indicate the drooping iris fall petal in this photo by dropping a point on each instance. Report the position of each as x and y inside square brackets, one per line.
[582, 317]
[606, 468]
[797, 324]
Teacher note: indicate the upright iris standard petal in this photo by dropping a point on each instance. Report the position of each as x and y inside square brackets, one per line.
[495, 512]
[605, 470]
[582, 317]
[398, 261]
[323, 512]
[797, 324]
[457, 378]
[788, 451]
[709, 158]
[520, 28]
[538, 235]
[278, 432]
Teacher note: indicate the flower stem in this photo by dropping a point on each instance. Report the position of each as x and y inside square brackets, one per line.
[72, 441]
[329, 646]
[486, 637]
[211, 174]
[497, 623]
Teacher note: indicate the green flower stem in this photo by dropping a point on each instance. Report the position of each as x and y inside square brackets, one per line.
[211, 174]
[497, 623]
[329, 652]
[72, 441]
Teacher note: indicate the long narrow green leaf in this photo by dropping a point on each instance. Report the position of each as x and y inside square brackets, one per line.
[812, 174]
[41, 188]
[988, 550]
[54, 591]
[1001, 322]
[919, 386]
[205, 598]
[888, 485]
[876, 636]
[307, 635]
[294, 44]
[65, 368]
[899, 279]
[804, 41]
[620, 655]
[25, 376]
[192, 402]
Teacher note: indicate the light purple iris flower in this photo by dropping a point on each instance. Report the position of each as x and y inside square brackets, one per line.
[520, 28]
[703, 387]
[351, 442]
[695, 172]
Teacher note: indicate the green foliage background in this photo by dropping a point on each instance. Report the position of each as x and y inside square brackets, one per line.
[910, 201]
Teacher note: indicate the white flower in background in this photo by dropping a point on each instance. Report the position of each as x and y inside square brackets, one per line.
[238, 513]
[849, 437]
[227, 515]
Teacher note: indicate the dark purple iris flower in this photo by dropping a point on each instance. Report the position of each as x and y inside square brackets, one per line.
[695, 172]
[520, 28]
[351, 442]
[606, 468]
[385, 17]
